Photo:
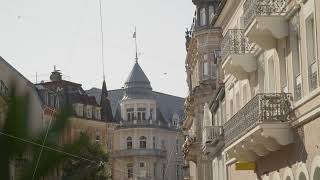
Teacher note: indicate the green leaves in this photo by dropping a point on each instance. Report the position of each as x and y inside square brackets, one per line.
[45, 152]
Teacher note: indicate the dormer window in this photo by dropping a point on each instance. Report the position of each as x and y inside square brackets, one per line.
[141, 114]
[130, 114]
[89, 111]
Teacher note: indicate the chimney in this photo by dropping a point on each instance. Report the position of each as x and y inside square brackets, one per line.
[55, 75]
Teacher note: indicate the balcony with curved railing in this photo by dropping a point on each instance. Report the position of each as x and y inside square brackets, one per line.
[237, 53]
[264, 19]
[145, 124]
[124, 153]
[260, 127]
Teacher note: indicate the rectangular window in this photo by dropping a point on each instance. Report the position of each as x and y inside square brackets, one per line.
[214, 70]
[151, 113]
[154, 169]
[223, 106]
[283, 70]
[271, 75]
[203, 17]
[141, 164]
[130, 114]
[238, 101]
[205, 71]
[311, 52]
[178, 172]
[211, 13]
[295, 50]
[141, 114]
[154, 142]
[163, 170]
[231, 108]
[130, 170]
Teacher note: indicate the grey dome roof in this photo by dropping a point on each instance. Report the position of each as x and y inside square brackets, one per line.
[137, 76]
[137, 85]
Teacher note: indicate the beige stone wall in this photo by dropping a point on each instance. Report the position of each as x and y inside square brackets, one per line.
[172, 158]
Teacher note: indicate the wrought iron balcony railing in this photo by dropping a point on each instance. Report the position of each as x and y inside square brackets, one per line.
[212, 133]
[263, 108]
[144, 123]
[254, 8]
[235, 42]
[139, 152]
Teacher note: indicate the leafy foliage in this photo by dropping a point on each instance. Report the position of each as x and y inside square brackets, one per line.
[45, 151]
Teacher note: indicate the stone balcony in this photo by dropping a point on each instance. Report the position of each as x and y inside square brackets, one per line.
[259, 128]
[189, 105]
[265, 20]
[212, 139]
[145, 123]
[191, 148]
[124, 153]
[237, 53]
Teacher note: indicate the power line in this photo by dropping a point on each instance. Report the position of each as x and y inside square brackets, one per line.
[39, 157]
[102, 39]
[62, 152]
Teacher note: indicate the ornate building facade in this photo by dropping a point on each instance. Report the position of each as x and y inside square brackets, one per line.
[203, 49]
[262, 122]
[147, 140]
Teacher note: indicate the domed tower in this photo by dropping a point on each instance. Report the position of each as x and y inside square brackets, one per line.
[138, 104]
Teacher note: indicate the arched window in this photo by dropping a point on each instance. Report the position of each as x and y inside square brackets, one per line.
[302, 176]
[129, 142]
[316, 174]
[143, 142]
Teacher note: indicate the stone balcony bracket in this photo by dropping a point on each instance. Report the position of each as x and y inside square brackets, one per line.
[240, 65]
[259, 128]
[265, 21]
[260, 142]
[265, 30]
[238, 54]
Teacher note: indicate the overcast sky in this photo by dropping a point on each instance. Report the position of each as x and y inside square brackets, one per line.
[35, 35]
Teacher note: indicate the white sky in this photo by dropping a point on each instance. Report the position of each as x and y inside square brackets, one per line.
[35, 35]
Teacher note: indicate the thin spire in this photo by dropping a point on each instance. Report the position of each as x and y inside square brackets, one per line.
[102, 40]
[136, 45]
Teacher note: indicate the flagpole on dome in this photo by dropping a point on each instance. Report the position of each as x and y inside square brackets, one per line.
[136, 45]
